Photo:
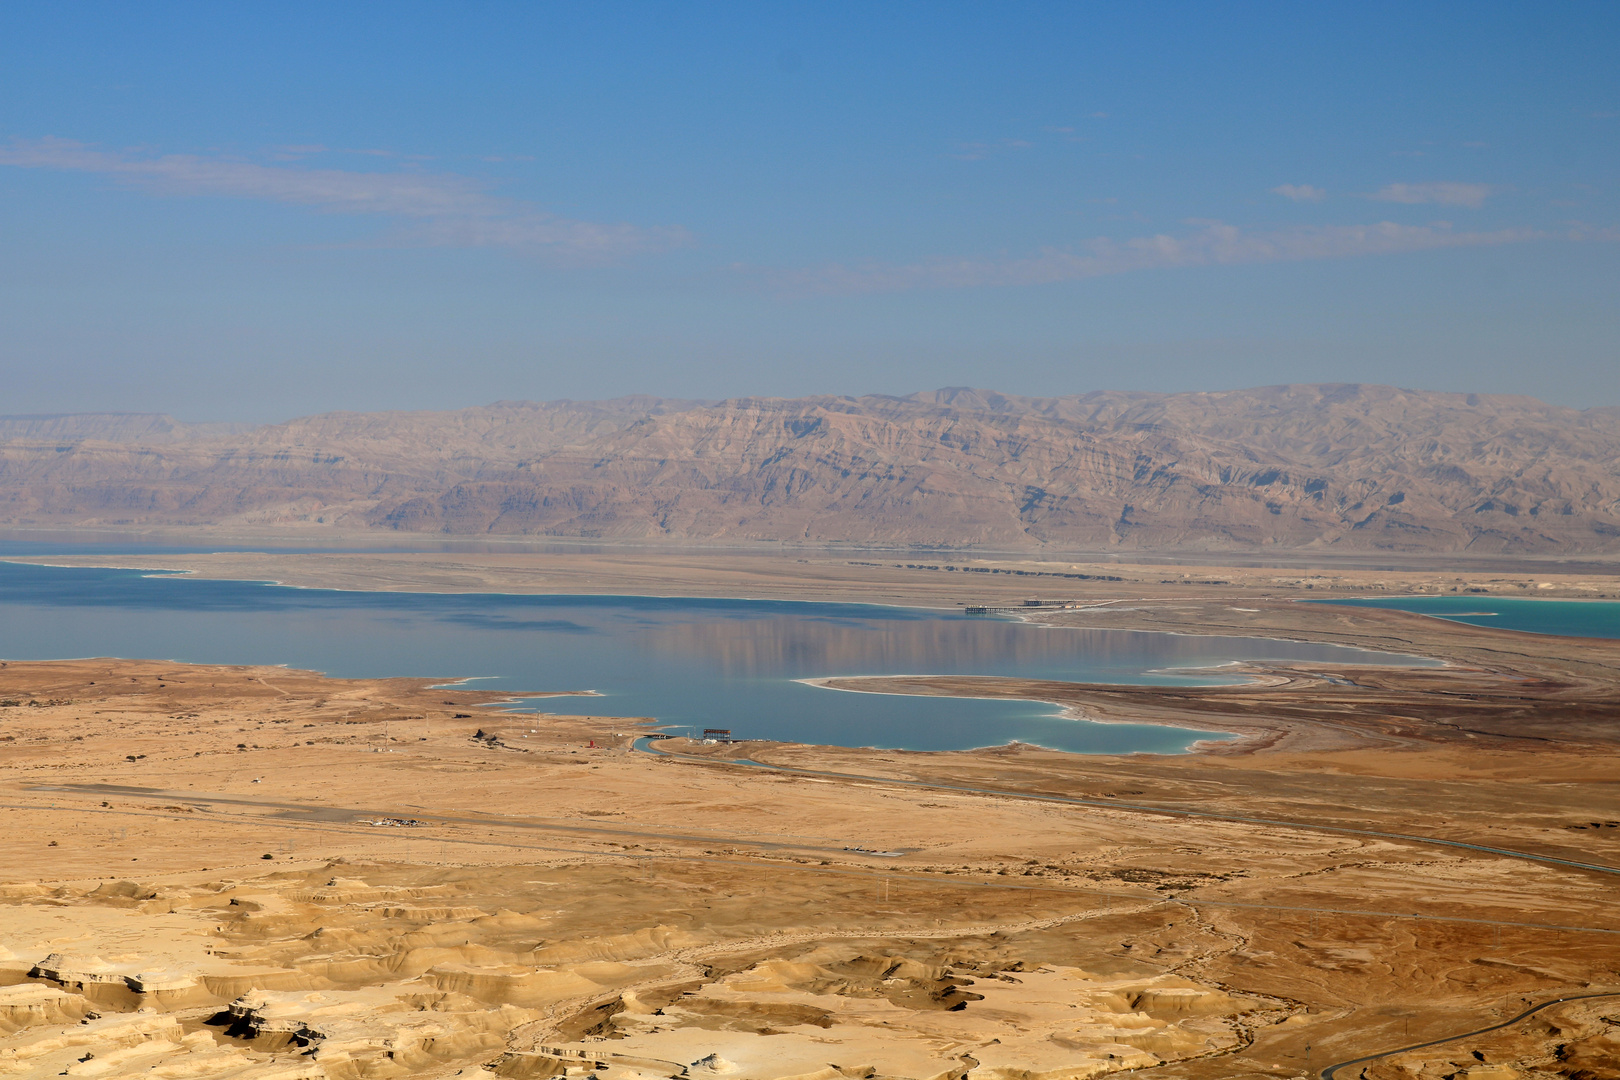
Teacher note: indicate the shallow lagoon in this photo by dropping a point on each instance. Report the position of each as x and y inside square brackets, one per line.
[685, 662]
[1564, 618]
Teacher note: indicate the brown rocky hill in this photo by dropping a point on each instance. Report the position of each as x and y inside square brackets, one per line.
[1343, 466]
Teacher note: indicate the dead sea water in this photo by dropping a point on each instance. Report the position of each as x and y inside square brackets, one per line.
[684, 662]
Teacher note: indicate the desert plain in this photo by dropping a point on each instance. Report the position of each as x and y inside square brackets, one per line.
[259, 872]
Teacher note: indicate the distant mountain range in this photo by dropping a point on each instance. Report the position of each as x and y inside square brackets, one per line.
[1335, 466]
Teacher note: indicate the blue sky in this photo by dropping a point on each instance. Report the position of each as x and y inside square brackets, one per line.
[254, 211]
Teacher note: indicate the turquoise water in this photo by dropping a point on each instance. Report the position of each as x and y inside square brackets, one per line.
[682, 662]
[1564, 618]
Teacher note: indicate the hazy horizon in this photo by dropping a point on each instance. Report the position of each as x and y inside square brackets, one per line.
[210, 421]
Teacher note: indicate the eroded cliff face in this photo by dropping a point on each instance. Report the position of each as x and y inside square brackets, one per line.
[1364, 467]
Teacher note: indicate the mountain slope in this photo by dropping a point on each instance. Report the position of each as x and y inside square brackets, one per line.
[1362, 467]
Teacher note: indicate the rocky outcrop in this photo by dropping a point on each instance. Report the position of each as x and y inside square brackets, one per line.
[34, 1005]
[119, 985]
[1334, 466]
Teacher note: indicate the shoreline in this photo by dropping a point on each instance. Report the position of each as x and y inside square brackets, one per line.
[216, 817]
[326, 539]
[187, 574]
[1029, 618]
[1203, 608]
[1427, 644]
[1205, 734]
[1064, 711]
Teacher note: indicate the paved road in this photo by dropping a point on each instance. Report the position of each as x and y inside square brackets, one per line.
[645, 745]
[1332, 1071]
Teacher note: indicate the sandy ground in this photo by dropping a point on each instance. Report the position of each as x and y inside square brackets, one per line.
[892, 578]
[259, 872]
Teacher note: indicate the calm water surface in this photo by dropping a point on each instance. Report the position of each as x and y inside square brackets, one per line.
[1565, 618]
[703, 663]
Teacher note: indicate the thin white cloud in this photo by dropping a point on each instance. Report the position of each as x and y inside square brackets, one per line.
[1300, 192]
[971, 151]
[978, 151]
[1211, 245]
[332, 190]
[1582, 232]
[537, 231]
[1445, 193]
[448, 210]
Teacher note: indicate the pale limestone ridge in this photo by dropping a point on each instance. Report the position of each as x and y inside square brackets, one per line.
[1338, 466]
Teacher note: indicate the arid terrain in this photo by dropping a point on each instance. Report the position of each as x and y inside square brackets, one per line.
[1351, 467]
[257, 872]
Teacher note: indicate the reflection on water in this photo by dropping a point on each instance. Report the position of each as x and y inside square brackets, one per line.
[703, 663]
[811, 642]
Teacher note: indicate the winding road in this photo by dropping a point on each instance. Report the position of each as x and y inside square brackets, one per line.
[1332, 1071]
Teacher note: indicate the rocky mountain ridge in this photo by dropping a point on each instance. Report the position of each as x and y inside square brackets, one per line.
[1336, 466]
